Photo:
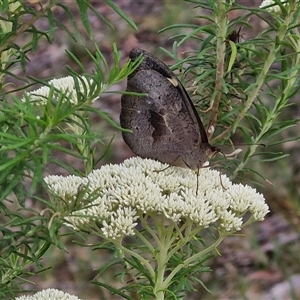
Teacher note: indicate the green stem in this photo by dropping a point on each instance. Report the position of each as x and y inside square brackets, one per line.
[221, 23]
[161, 258]
[168, 248]
[273, 114]
[145, 241]
[184, 240]
[140, 258]
[193, 258]
[27, 25]
[255, 88]
[150, 231]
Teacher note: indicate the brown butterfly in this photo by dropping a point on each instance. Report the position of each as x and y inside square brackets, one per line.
[165, 124]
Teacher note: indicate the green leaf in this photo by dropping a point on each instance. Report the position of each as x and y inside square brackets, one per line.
[83, 9]
[232, 55]
[121, 13]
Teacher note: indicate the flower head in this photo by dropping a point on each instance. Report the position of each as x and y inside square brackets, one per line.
[52, 294]
[65, 85]
[65, 186]
[140, 187]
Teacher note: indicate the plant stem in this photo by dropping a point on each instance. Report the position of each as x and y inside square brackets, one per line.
[27, 25]
[221, 22]
[280, 102]
[166, 237]
[255, 88]
[193, 258]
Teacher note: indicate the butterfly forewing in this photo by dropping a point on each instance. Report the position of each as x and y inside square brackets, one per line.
[165, 125]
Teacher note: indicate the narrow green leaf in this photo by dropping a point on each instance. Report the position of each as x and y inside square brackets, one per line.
[121, 13]
[232, 56]
[83, 9]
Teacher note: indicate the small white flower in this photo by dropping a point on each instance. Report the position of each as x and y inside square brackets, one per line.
[65, 85]
[121, 223]
[229, 222]
[48, 294]
[65, 186]
[245, 198]
[138, 187]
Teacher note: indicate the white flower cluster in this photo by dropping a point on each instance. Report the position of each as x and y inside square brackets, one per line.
[48, 294]
[274, 8]
[65, 85]
[141, 187]
[65, 187]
